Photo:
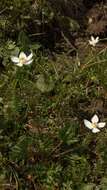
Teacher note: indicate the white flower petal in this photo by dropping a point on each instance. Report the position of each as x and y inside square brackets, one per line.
[92, 38]
[29, 62]
[22, 55]
[92, 43]
[19, 64]
[97, 39]
[101, 124]
[95, 130]
[88, 124]
[15, 59]
[95, 119]
[30, 57]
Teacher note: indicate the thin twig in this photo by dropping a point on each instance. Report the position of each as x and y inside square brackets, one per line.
[37, 34]
[63, 153]
[86, 66]
[56, 148]
[55, 69]
[68, 42]
[3, 10]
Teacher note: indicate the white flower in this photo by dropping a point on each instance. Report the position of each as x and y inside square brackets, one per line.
[94, 125]
[23, 59]
[94, 41]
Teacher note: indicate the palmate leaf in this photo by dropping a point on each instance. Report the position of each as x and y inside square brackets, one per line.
[44, 83]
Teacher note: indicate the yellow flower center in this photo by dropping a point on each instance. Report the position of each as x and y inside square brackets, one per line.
[22, 60]
[94, 125]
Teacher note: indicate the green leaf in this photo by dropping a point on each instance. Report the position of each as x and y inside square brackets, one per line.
[69, 134]
[104, 183]
[10, 45]
[44, 83]
[19, 151]
[89, 186]
[23, 41]
[69, 24]
[35, 46]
